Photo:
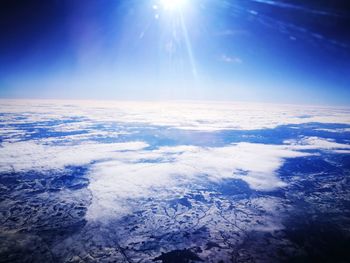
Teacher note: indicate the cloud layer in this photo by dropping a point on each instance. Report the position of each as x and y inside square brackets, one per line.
[132, 169]
[182, 115]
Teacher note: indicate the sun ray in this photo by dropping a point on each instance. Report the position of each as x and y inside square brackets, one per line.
[188, 47]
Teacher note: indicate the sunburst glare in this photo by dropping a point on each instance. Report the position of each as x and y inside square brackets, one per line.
[173, 4]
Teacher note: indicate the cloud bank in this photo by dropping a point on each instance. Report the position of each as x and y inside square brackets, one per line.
[121, 171]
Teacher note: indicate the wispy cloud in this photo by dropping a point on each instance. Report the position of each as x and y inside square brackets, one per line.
[233, 33]
[230, 59]
[296, 7]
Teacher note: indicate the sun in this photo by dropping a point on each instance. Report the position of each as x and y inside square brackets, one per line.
[173, 4]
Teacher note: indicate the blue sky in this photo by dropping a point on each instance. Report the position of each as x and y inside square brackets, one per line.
[256, 50]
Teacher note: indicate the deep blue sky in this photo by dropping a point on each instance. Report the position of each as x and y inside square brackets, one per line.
[288, 51]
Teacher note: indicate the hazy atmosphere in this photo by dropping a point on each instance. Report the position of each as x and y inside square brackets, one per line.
[255, 50]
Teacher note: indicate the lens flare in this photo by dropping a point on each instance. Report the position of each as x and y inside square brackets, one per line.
[173, 4]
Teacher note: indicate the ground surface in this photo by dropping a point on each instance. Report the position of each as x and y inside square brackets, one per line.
[173, 182]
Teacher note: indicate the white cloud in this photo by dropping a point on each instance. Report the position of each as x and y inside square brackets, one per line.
[33, 155]
[114, 182]
[334, 130]
[316, 143]
[123, 171]
[183, 115]
[230, 59]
